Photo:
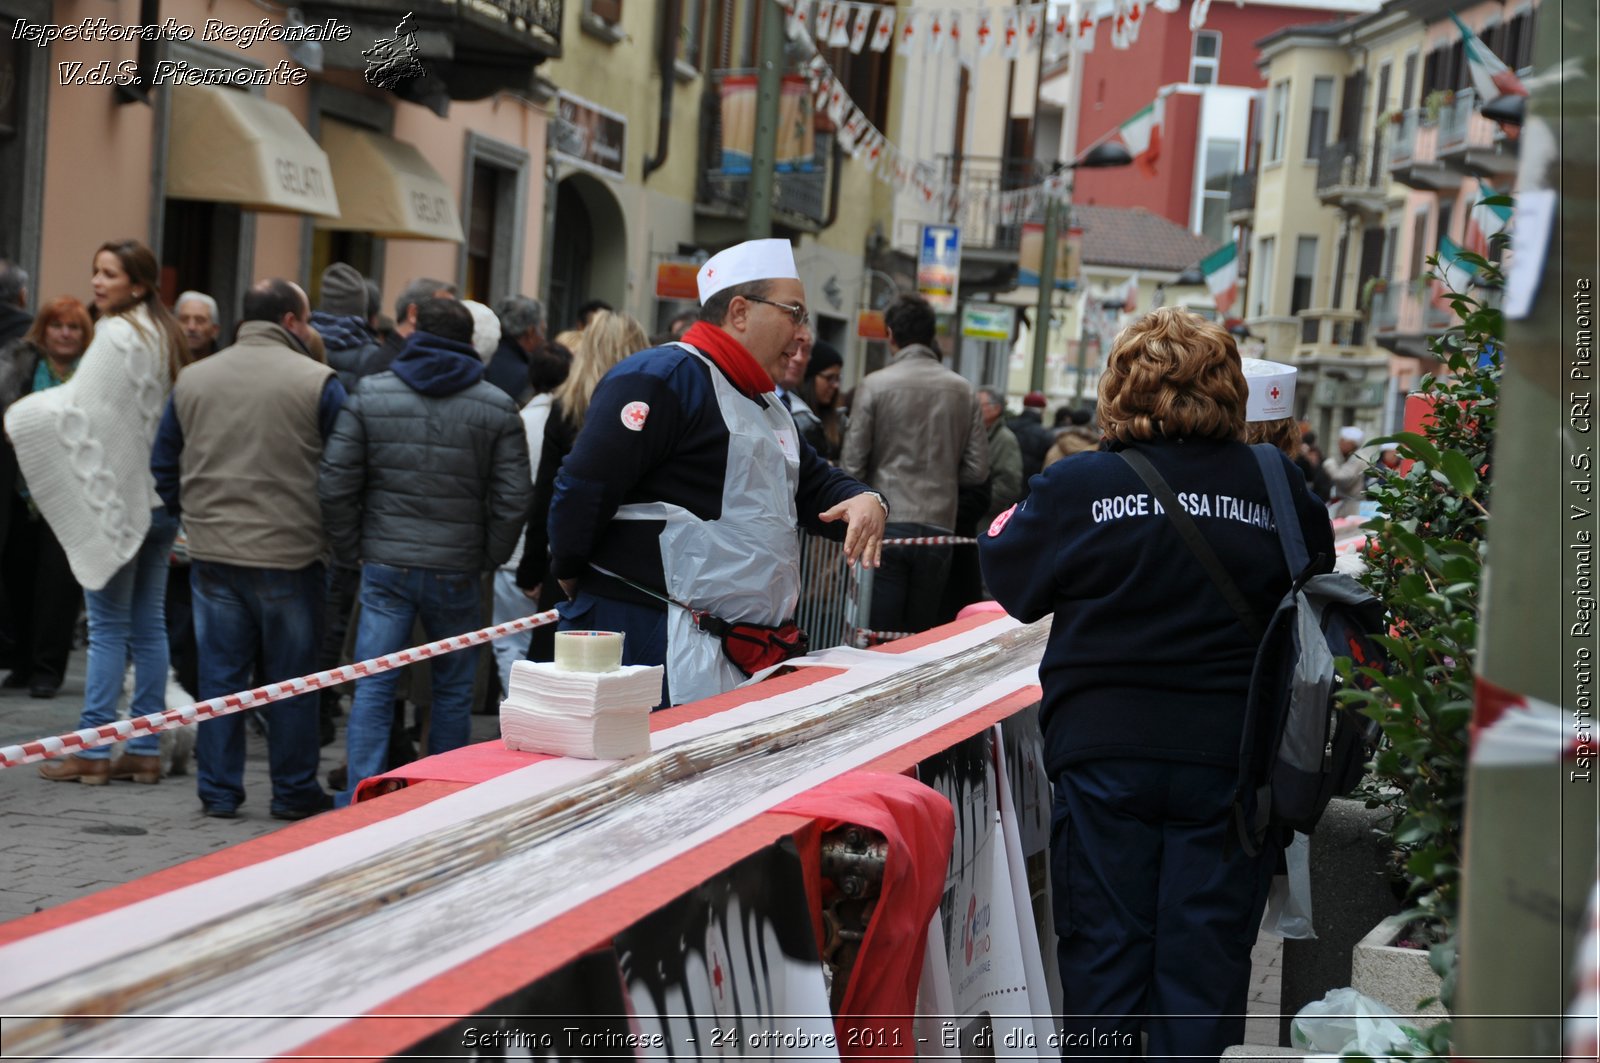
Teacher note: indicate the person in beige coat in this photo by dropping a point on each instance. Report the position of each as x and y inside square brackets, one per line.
[916, 434]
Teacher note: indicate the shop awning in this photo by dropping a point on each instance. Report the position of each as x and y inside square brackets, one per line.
[394, 193]
[227, 146]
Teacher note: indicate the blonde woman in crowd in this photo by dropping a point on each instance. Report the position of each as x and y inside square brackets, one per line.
[84, 450]
[605, 341]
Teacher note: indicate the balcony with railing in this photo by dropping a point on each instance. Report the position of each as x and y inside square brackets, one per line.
[1472, 143]
[1351, 175]
[801, 186]
[472, 48]
[1413, 153]
[989, 224]
[1241, 198]
[1331, 332]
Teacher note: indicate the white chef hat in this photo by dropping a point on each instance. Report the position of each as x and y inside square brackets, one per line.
[753, 260]
[1271, 389]
[1352, 433]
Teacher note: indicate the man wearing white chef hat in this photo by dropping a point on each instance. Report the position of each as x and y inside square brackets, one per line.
[687, 482]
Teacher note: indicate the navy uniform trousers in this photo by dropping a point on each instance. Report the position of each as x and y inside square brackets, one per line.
[1156, 909]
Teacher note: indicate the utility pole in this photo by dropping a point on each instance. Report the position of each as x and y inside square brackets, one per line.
[1047, 291]
[764, 152]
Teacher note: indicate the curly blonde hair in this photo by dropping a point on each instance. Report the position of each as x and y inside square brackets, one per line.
[1174, 374]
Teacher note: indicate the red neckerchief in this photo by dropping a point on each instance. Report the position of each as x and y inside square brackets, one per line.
[731, 357]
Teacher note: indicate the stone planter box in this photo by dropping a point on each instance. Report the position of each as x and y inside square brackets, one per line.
[1395, 976]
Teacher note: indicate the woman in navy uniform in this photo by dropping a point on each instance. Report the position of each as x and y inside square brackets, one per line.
[1145, 676]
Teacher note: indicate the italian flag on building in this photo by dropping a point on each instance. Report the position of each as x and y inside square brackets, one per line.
[1491, 79]
[1454, 272]
[1141, 135]
[1491, 215]
[1221, 269]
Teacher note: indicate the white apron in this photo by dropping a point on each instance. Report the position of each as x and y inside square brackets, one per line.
[744, 566]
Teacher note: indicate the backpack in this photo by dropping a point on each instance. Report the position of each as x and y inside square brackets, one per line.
[1300, 748]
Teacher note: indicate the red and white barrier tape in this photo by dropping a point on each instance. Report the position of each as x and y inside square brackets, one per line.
[121, 730]
[932, 540]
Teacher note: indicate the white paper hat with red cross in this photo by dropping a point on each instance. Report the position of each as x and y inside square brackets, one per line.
[753, 260]
[1271, 390]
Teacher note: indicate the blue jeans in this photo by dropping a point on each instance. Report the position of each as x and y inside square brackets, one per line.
[392, 599]
[241, 614]
[127, 616]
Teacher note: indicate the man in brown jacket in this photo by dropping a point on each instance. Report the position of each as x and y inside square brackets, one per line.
[916, 434]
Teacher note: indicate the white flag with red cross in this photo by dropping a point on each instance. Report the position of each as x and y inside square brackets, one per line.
[859, 28]
[883, 36]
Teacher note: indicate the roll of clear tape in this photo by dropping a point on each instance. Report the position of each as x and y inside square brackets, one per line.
[589, 651]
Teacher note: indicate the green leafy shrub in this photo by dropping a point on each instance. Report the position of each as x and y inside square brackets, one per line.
[1426, 557]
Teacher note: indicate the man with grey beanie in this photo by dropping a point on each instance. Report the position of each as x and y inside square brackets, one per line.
[341, 320]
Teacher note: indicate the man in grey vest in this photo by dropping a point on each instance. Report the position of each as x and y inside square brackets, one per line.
[236, 457]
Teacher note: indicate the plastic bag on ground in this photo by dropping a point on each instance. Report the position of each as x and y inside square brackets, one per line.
[1348, 1021]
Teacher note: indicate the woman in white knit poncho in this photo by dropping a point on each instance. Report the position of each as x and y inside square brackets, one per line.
[84, 450]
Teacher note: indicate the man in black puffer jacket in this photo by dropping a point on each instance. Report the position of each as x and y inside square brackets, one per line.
[425, 483]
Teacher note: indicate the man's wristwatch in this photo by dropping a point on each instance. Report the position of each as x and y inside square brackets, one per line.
[884, 502]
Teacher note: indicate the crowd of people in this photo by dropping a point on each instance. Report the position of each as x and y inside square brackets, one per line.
[343, 483]
[332, 483]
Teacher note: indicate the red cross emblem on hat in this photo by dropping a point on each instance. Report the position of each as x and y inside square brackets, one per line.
[1275, 392]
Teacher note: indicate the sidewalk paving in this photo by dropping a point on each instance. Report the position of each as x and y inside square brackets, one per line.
[65, 840]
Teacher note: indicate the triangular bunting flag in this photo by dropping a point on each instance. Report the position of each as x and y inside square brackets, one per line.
[858, 30]
[1083, 28]
[1010, 34]
[823, 23]
[800, 18]
[883, 36]
[1032, 26]
[839, 33]
[910, 33]
[985, 32]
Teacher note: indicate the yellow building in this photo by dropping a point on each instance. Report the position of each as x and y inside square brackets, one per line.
[1367, 150]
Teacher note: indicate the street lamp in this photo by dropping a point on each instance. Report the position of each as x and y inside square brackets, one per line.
[1100, 156]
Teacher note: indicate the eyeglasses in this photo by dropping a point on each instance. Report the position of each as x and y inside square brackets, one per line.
[798, 313]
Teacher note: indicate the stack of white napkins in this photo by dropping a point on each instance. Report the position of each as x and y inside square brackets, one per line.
[592, 715]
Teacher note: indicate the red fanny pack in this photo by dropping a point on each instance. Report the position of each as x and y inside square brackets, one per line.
[754, 647]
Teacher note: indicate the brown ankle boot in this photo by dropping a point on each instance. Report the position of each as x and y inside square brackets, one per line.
[77, 769]
[142, 769]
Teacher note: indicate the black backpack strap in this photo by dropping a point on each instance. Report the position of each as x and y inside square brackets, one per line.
[1284, 516]
[1191, 535]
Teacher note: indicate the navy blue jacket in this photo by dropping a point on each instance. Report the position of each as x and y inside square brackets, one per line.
[679, 455]
[1145, 658]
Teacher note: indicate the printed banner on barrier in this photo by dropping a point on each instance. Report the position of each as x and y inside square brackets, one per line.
[731, 968]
